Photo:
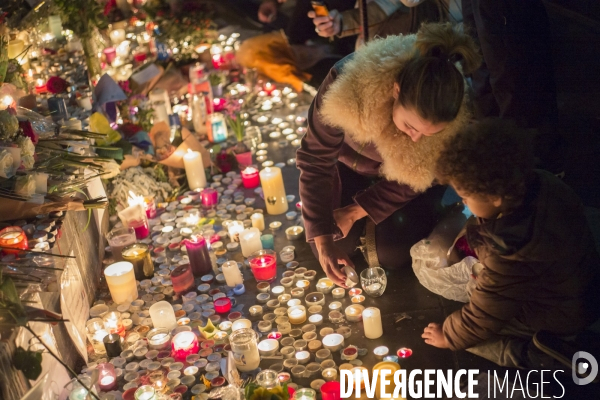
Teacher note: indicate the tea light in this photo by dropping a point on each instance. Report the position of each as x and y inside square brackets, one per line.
[335, 305]
[303, 357]
[354, 313]
[404, 352]
[297, 293]
[336, 317]
[303, 284]
[268, 347]
[284, 328]
[314, 299]
[358, 299]
[345, 331]
[325, 285]
[294, 232]
[284, 377]
[380, 352]
[158, 339]
[338, 293]
[264, 326]
[275, 335]
[286, 255]
[275, 225]
[297, 314]
[330, 374]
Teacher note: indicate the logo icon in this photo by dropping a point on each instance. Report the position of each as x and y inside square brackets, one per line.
[272, 200]
[587, 368]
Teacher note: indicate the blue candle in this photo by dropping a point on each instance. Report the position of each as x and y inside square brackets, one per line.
[267, 242]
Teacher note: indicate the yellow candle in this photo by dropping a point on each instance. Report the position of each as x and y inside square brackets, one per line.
[15, 47]
[372, 322]
[121, 282]
[258, 221]
[389, 388]
[194, 170]
[271, 181]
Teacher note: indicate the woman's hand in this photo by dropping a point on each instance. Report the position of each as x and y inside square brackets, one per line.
[328, 26]
[347, 216]
[434, 336]
[330, 256]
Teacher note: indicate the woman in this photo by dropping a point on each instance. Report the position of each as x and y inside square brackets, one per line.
[374, 131]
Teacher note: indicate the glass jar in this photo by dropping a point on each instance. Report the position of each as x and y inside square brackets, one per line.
[267, 379]
[118, 239]
[373, 281]
[95, 333]
[145, 392]
[245, 349]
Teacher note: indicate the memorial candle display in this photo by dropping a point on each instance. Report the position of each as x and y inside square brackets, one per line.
[250, 241]
[250, 178]
[120, 279]
[194, 170]
[107, 377]
[13, 239]
[184, 344]
[197, 251]
[183, 279]
[271, 181]
[118, 239]
[258, 221]
[372, 322]
[264, 265]
[210, 197]
[232, 273]
[138, 254]
[162, 315]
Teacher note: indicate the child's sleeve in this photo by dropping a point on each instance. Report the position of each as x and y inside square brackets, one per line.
[498, 298]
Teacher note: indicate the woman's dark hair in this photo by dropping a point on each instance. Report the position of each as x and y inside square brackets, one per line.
[430, 83]
[492, 157]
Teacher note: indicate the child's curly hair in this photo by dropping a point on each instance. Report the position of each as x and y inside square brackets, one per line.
[492, 157]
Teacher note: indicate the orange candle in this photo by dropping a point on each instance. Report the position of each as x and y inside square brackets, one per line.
[13, 239]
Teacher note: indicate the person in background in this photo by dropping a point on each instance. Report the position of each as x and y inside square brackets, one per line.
[541, 271]
[374, 131]
[386, 17]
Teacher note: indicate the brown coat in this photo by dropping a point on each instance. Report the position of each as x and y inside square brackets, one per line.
[350, 121]
[541, 267]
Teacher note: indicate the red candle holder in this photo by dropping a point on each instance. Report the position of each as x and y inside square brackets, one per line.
[183, 345]
[331, 391]
[110, 53]
[219, 104]
[141, 228]
[268, 88]
[404, 352]
[264, 265]
[13, 239]
[198, 254]
[150, 207]
[183, 279]
[107, 378]
[274, 335]
[222, 305]
[209, 197]
[250, 178]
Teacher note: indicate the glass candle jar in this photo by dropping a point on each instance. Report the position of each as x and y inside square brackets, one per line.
[113, 323]
[13, 239]
[183, 345]
[107, 377]
[373, 281]
[183, 279]
[158, 338]
[264, 265]
[96, 333]
[138, 254]
[118, 239]
[267, 379]
[245, 350]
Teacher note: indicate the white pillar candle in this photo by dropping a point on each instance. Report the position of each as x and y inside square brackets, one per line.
[121, 282]
[235, 228]
[258, 221]
[194, 170]
[250, 241]
[162, 315]
[271, 181]
[232, 273]
[372, 322]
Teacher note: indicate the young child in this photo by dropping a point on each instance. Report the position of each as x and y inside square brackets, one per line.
[541, 269]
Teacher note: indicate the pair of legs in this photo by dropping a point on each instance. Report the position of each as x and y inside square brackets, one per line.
[398, 233]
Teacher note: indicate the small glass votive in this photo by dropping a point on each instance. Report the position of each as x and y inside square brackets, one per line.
[329, 374]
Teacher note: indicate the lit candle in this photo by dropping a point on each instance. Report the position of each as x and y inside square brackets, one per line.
[113, 323]
[107, 377]
[294, 232]
[268, 87]
[118, 239]
[258, 221]
[250, 241]
[162, 315]
[390, 368]
[138, 254]
[264, 265]
[235, 228]
[197, 251]
[297, 315]
[183, 279]
[372, 323]
[222, 305]
[13, 239]
[242, 323]
[194, 170]
[354, 313]
[121, 282]
[330, 374]
[96, 333]
[135, 217]
[112, 343]
[232, 273]
[158, 338]
[146, 392]
[184, 344]
[250, 178]
[271, 181]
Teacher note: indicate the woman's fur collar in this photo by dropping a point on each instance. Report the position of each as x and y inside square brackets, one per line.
[360, 102]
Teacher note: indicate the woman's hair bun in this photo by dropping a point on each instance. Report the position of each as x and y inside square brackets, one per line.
[448, 41]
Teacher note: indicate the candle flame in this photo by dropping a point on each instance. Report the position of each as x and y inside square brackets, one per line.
[135, 200]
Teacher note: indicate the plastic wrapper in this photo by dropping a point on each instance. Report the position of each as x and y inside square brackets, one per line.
[43, 126]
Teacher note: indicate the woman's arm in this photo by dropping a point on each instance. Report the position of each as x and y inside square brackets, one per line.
[383, 199]
[316, 159]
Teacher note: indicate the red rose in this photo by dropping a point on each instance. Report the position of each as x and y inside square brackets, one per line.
[129, 129]
[57, 85]
[28, 131]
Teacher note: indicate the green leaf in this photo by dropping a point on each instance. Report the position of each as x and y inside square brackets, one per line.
[10, 291]
[29, 362]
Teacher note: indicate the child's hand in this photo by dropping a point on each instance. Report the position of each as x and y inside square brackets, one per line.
[434, 336]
